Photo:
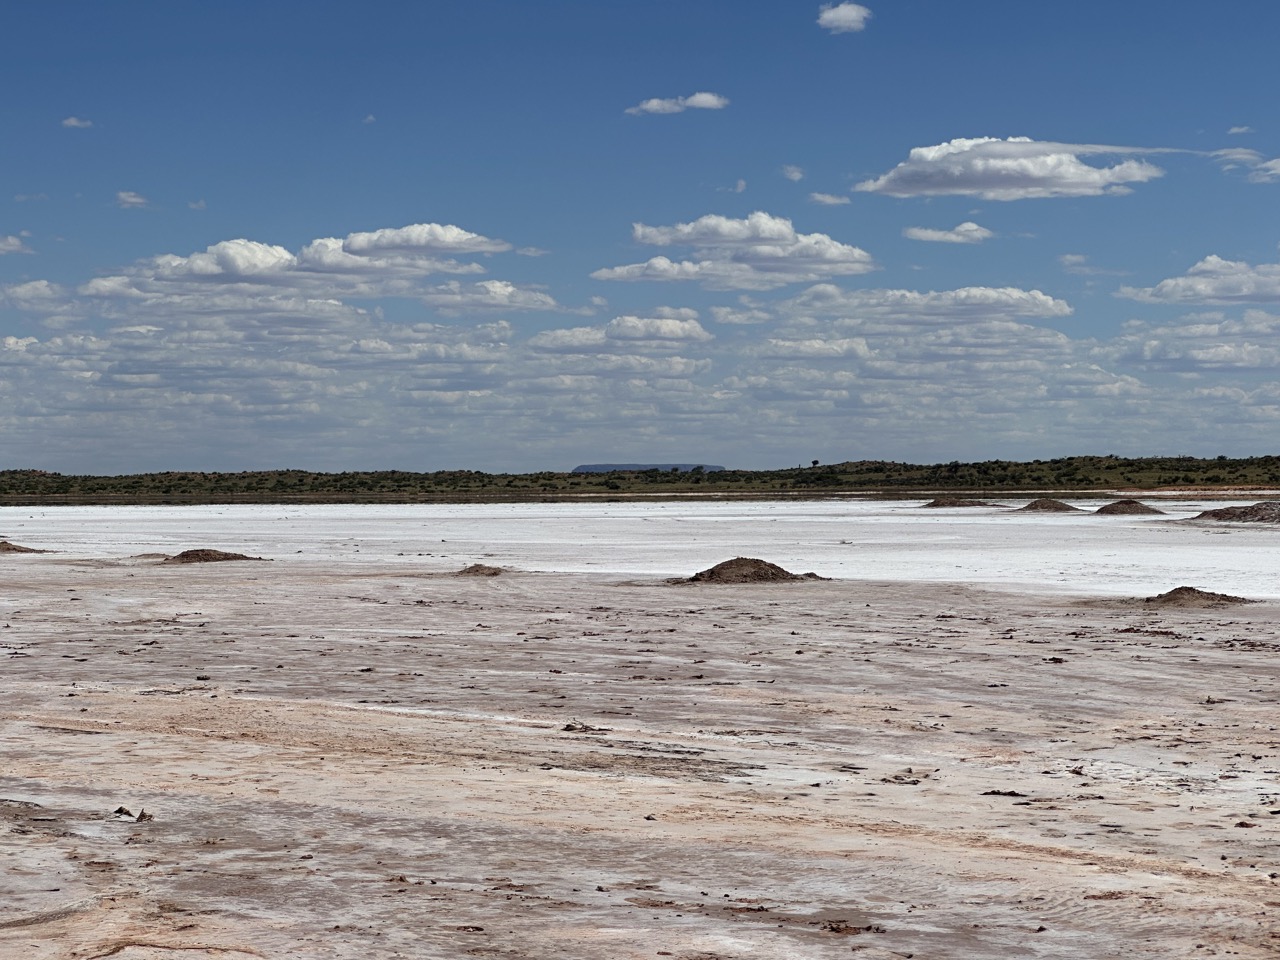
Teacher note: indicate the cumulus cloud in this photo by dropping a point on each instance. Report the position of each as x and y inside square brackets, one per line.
[12, 244]
[843, 17]
[828, 199]
[1238, 130]
[77, 123]
[1209, 342]
[422, 238]
[655, 328]
[934, 306]
[967, 232]
[697, 101]
[127, 199]
[758, 252]
[792, 172]
[1214, 280]
[456, 297]
[1017, 168]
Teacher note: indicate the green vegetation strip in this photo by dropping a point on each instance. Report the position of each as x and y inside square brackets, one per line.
[865, 477]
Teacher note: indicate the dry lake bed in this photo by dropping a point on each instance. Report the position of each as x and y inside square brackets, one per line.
[350, 750]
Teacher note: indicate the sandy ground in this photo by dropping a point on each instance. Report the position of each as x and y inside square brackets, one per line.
[336, 763]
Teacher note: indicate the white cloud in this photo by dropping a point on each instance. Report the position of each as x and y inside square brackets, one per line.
[828, 199]
[655, 328]
[369, 118]
[77, 123]
[1214, 281]
[697, 101]
[130, 200]
[196, 204]
[759, 252]
[1018, 168]
[455, 297]
[843, 17]
[422, 238]
[1238, 130]
[967, 232]
[746, 313]
[1078, 263]
[12, 244]
[1260, 169]
[916, 306]
[792, 172]
[1205, 343]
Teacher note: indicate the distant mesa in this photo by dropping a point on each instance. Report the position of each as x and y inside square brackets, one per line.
[207, 556]
[1049, 505]
[479, 570]
[1265, 511]
[1127, 508]
[7, 547]
[638, 467]
[746, 570]
[942, 502]
[1192, 597]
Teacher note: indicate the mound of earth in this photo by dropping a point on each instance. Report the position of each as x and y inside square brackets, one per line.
[7, 547]
[1191, 597]
[1266, 511]
[207, 556]
[956, 502]
[747, 570]
[1048, 505]
[1127, 508]
[479, 570]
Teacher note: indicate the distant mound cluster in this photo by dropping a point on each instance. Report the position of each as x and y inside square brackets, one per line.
[747, 570]
[947, 502]
[7, 547]
[1192, 597]
[1049, 505]
[1266, 511]
[207, 556]
[479, 570]
[1127, 508]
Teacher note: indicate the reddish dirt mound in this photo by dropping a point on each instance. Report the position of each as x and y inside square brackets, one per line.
[7, 547]
[1191, 597]
[1127, 508]
[956, 502]
[1047, 505]
[747, 570]
[1266, 511]
[207, 556]
[479, 570]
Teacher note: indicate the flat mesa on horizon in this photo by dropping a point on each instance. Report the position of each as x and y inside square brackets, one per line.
[618, 467]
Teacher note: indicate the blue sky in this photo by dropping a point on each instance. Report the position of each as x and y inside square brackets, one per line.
[516, 236]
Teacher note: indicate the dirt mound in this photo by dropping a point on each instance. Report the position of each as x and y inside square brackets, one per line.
[956, 502]
[207, 556]
[1191, 597]
[747, 570]
[1266, 511]
[7, 547]
[1127, 508]
[1048, 505]
[479, 570]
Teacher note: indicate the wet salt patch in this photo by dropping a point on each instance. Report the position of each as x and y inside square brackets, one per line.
[1074, 553]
